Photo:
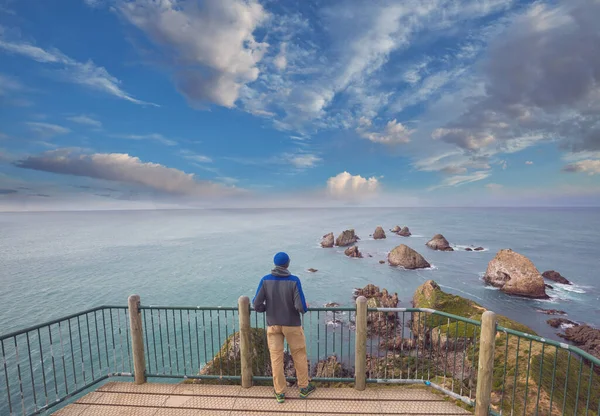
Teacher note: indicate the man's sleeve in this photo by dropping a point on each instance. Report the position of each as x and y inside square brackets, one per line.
[259, 299]
[299, 301]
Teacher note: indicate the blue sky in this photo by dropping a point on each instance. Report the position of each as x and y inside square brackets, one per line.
[132, 103]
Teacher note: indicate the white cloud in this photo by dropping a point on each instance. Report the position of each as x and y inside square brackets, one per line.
[591, 167]
[302, 161]
[47, 130]
[9, 84]
[195, 157]
[393, 133]
[458, 180]
[346, 185]
[280, 60]
[529, 162]
[159, 138]
[123, 168]
[209, 46]
[85, 120]
[82, 73]
[494, 186]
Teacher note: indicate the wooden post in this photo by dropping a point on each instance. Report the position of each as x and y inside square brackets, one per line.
[137, 340]
[245, 347]
[360, 353]
[485, 371]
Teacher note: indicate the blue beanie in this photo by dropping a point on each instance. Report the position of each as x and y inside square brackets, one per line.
[281, 259]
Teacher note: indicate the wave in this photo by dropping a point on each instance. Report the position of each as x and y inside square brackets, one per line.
[568, 288]
[462, 247]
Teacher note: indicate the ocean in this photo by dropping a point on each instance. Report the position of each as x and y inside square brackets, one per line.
[56, 263]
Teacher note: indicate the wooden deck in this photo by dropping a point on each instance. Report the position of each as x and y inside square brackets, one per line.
[154, 399]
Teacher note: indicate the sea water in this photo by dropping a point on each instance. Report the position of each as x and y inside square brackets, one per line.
[56, 263]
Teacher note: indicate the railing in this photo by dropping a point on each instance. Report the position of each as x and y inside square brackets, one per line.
[508, 371]
[49, 363]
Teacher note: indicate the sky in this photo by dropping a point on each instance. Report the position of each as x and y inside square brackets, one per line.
[246, 103]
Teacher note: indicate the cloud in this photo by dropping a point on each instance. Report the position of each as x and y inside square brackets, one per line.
[86, 74]
[280, 60]
[209, 46]
[529, 162]
[47, 130]
[158, 138]
[302, 161]
[195, 157]
[8, 85]
[542, 83]
[458, 180]
[494, 186]
[85, 120]
[122, 168]
[346, 185]
[591, 167]
[393, 133]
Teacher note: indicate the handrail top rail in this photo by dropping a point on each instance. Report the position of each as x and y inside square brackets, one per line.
[499, 328]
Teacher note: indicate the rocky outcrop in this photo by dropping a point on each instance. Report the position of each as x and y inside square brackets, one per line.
[404, 232]
[439, 242]
[548, 286]
[515, 274]
[312, 270]
[585, 337]
[556, 277]
[346, 238]
[468, 249]
[353, 252]
[478, 249]
[327, 241]
[331, 367]
[331, 305]
[379, 323]
[396, 229]
[551, 311]
[379, 234]
[557, 322]
[381, 261]
[408, 258]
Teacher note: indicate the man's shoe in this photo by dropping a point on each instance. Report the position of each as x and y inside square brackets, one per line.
[280, 397]
[304, 392]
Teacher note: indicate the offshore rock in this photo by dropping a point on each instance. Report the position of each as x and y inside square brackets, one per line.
[556, 277]
[327, 241]
[379, 234]
[557, 322]
[408, 258]
[312, 270]
[404, 232]
[396, 229]
[515, 274]
[551, 311]
[585, 337]
[353, 252]
[439, 242]
[346, 238]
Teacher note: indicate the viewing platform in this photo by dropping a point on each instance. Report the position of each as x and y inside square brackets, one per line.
[365, 360]
[154, 399]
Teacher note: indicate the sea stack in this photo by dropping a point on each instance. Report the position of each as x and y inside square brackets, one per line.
[556, 277]
[353, 252]
[439, 242]
[396, 229]
[327, 241]
[379, 234]
[404, 232]
[346, 238]
[406, 257]
[515, 274]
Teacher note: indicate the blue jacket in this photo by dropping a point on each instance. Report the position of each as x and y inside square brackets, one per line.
[282, 298]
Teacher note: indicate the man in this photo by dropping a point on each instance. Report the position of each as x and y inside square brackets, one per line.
[280, 295]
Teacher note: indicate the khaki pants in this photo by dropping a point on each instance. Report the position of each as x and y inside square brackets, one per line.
[295, 338]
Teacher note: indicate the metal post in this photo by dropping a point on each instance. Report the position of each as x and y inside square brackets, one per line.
[137, 340]
[360, 356]
[245, 348]
[485, 371]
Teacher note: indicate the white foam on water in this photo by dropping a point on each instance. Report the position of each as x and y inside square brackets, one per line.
[488, 287]
[568, 288]
[462, 247]
[566, 326]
